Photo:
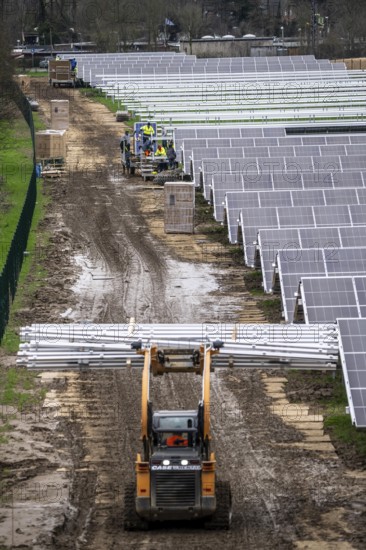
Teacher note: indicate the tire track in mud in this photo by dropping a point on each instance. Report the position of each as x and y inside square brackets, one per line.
[253, 481]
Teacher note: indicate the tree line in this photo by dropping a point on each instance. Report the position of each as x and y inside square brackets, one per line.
[334, 27]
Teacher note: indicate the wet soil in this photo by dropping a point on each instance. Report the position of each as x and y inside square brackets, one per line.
[110, 260]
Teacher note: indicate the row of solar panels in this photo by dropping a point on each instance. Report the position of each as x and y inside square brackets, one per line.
[308, 242]
[195, 66]
[289, 208]
[207, 60]
[95, 68]
[257, 140]
[261, 172]
[124, 58]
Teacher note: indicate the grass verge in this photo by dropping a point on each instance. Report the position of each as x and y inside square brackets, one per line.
[16, 163]
[19, 392]
[41, 73]
[36, 242]
[272, 309]
[97, 95]
[19, 388]
[327, 396]
[253, 282]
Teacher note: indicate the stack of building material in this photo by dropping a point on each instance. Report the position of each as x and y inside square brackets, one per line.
[50, 144]
[60, 114]
[179, 207]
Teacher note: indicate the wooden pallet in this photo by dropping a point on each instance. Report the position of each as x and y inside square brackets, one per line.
[52, 174]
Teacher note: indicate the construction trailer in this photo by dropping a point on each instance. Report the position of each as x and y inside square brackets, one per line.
[61, 73]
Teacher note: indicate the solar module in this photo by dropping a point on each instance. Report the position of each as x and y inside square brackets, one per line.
[271, 241]
[352, 348]
[328, 238]
[352, 236]
[293, 264]
[250, 220]
[360, 285]
[325, 299]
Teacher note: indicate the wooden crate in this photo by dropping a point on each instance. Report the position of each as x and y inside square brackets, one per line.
[60, 114]
[179, 199]
[50, 144]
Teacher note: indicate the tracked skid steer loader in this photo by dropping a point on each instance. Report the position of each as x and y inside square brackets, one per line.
[175, 474]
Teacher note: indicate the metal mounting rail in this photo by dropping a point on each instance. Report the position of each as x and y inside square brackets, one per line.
[91, 346]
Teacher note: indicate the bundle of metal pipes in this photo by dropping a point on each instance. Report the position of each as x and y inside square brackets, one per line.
[91, 346]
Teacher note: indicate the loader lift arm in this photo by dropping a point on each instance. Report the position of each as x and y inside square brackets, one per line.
[177, 480]
[154, 362]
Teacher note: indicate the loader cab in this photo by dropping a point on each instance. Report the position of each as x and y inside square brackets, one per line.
[175, 430]
[176, 468]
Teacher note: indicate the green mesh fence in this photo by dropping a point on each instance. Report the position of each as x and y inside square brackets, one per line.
[14, 260]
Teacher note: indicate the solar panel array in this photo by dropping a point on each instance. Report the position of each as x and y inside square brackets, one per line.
[293, 264]
[297, 200]
[280, 172]
[255, 147]
[235, 201]
[161, 63]
[178, 89]
[325, 299]
[270, 241]
[284, 217]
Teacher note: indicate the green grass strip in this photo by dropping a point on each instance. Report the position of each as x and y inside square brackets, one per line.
[16, 166]
[32, 265]
[10, 217]
[97, 95]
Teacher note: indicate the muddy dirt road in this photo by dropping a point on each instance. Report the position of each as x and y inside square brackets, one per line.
[285, 496]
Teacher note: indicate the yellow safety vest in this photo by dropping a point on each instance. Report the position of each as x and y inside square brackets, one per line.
[148, 130]
[160, 152]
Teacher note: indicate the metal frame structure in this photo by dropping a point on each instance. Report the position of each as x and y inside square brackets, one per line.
[58, 347]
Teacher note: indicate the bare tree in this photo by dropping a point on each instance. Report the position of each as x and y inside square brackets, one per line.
[349, 23]
[153, 16]
[6, 68]
[191, 20]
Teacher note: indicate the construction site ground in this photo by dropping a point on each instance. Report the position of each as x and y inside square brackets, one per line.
[67, 463]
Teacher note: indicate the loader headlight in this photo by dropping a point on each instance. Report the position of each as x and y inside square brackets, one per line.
[184, 462]
[166, 462]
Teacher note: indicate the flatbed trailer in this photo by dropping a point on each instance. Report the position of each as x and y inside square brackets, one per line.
[60, 73]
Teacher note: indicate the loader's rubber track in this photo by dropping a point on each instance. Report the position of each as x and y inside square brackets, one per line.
[131, 520]
[222, 517]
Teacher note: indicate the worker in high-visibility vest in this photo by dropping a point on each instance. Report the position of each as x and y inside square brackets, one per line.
[147, 132]
[160, 152]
